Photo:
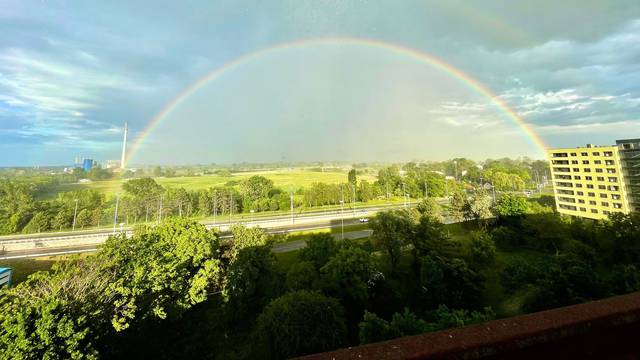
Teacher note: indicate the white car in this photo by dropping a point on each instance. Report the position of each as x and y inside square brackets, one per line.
[364, 220]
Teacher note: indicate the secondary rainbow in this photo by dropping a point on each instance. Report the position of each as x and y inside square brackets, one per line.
[425, 58]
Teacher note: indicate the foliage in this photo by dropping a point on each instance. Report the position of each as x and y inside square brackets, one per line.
[162, 271]
[391, 231]
[319, 249]
[430, 238]
[450, 282]
[509, 205]
[482, 249]
[300, 323]
[302, 276]
[347, 275]
[430, 208]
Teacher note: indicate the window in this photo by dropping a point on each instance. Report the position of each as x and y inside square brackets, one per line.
[564, 184]
[598, 170]
[580, 201]
[600, 178]
[612, 179]
[589, 186]
[602, 187]
[608, 162]
[594, 211]
[585, 162]
[584, 154]
[577, 177]
[579, 193]
[565, 192]
[591, 202]
[596, 154]
[567, 207]
[559, 154]
[615, 197]
[611, 171]
[588, 178]
[573, 154]
[576, 170]
[597, 162]
[566, 199]
[592, 194]
[563, 177]
[578, 185]
[560, 162]
[607, 153]
[603, 196]
[605, 204]
[586, 170]
[606, 212]
[583, 209]
[617, 206]
[574, 161]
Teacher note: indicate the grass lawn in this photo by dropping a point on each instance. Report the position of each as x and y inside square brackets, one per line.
[22, 268]
[284, 178]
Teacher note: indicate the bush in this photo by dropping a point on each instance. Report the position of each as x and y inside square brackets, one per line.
[300, 323]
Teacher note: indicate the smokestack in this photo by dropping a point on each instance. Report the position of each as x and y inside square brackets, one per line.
[124, 146]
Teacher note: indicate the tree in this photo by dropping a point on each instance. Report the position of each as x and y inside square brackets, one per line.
[255, 188]
[40, 222]
[430, 208]
[347, 275]
[450, 282]
[302, 276]
[61, 220]
[300, 323]
[244, 237]
[430, 238]
[478, 206]
[352, 177]
[391, 231]
[252, 283]
[482, 249]
[510, 205]
[457, 206]
[83, 219]
[162, 271]
[320, 248]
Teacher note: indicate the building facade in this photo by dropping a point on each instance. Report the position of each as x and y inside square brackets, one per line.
[589, 181]
[629, 150]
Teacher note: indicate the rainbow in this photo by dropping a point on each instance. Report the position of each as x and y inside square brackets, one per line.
[422, 57]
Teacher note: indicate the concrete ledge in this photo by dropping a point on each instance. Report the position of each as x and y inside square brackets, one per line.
[606, 328]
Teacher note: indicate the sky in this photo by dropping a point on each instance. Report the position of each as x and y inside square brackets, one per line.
[72, 72]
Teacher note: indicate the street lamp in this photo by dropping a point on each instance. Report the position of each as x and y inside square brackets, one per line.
[251, 211]
[75, 212]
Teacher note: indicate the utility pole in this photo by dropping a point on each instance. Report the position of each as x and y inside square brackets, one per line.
[291, 205]
[230, 207]
[215, 206]
[342, 212]
[354, 201]
[75, 212]
[404, 193]
[115, 216]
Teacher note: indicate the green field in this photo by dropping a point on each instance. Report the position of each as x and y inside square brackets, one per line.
[283, 178]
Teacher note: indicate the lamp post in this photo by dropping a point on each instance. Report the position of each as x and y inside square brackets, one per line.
[75, 212]
[251, 211]
[115, 216]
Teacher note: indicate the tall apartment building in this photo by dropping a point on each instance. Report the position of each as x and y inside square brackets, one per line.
[590, 181]
[629, 150]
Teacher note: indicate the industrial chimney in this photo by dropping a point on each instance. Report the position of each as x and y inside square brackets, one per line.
[124, 146]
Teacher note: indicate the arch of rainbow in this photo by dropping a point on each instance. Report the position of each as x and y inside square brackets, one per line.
[422, 57]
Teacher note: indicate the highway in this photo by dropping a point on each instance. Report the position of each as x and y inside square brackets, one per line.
[22, 246]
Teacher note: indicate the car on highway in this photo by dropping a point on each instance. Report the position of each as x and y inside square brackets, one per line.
[364, 220]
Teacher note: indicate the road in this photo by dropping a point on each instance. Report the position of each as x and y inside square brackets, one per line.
[281, 247]
[20, 246]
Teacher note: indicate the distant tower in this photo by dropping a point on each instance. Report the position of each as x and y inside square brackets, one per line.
[124, 145]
